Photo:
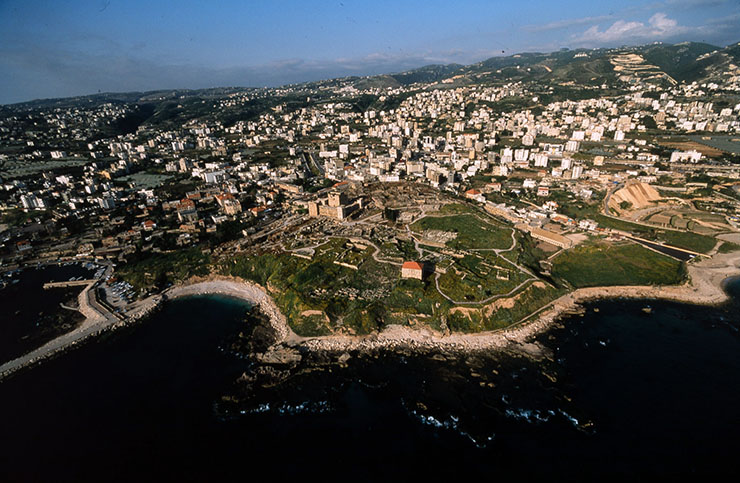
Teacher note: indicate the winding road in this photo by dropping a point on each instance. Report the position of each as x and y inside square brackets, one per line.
[420, 251]
[498, 252]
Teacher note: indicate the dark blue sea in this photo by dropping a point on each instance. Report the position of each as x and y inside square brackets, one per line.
[29, 315]
[623, 395]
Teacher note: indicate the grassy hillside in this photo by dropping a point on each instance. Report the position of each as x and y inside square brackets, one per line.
[598, 264]
[681, 239]
[472, 233]
[678, 61]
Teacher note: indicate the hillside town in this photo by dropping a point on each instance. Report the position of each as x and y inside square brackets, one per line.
[649, 159]
[369, 241]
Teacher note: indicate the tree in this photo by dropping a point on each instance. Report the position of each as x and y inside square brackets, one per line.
[649, 122]
[161, 280]
[390, 214]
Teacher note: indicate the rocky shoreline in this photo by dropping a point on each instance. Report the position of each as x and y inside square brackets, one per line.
[704, 288]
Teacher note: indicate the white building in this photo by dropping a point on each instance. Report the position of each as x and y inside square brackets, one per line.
[682, 156]
[577, 172]
[540, 160]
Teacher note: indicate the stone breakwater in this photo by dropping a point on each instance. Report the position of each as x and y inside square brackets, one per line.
[143, 308]
[96, 322]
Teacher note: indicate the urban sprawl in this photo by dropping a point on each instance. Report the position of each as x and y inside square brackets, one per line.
[463, 203]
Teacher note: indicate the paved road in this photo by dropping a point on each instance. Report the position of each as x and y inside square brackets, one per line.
[319, 166]
[497, 251]
[609, 196]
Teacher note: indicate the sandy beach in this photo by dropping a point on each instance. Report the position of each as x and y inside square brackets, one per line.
[704, 288]
[233, 287]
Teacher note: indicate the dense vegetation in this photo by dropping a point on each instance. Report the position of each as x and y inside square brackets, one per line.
[599, 264]
[159, 270]
[680, 239]
[472, 232]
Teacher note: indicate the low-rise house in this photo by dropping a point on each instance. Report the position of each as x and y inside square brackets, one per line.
[412, 270]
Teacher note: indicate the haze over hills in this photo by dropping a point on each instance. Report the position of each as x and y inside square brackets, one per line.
[687, 61]
[682, 62]
[253, 220]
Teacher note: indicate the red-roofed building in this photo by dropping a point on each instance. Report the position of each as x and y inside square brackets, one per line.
[258, 210]
[474, 194]
[186, 204]
[223, 197]
[412, 270]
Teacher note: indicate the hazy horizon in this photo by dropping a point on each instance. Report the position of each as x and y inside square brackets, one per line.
[52, 51]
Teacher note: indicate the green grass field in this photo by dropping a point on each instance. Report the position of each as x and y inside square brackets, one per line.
[457, 209]
[472, 233]
[159, 269]
[680, 239]
[728, 247]
[476, 278]
[689, 241]
[600, 264]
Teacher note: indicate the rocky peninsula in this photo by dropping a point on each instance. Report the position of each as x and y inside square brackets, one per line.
[705, 287]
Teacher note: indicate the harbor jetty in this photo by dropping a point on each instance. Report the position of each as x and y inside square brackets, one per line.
[67, 284]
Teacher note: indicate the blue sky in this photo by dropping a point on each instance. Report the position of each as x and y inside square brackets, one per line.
[64, 48]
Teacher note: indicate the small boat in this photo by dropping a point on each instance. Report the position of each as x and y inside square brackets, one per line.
[647, 310]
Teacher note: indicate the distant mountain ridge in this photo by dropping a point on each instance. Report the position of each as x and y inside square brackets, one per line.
[686, 61]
